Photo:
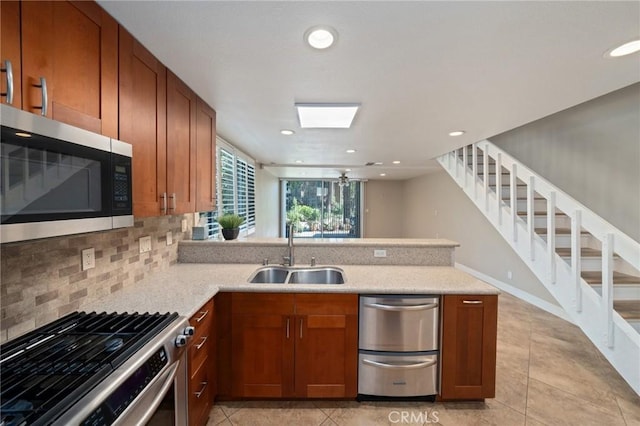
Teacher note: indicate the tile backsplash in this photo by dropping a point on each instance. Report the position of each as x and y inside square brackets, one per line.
[43, 280]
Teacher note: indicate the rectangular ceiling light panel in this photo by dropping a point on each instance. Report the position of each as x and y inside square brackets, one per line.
[326, 116]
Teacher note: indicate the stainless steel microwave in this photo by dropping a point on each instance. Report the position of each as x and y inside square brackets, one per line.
[57, 179]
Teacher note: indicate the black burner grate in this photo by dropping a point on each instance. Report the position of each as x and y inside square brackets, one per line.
[46, 371]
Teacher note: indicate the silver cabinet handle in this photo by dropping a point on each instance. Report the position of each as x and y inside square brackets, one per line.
[164, 202]
[401, 307]
[287, 328]
[45, 97]
[8, 69]
[204, 340]
[173, 201]
[201, 391]
[400, 366]
[202, 315]
[472, 302]
[301, 322]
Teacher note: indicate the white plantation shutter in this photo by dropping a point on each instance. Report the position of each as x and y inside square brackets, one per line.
[235, 188]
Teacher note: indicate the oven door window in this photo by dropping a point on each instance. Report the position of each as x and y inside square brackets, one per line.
[47, 179]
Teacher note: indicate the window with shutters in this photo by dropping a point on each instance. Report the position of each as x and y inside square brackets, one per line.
[235, 189]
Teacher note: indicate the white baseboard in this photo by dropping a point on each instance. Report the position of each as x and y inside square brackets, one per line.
[520, 294]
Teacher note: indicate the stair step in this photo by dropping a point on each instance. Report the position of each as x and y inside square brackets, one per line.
[559, 231]
[628, 309]
[584, 252]
[540, 213]
[619, 278]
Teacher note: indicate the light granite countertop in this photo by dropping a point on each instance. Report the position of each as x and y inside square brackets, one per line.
[318, 242]
[183, 288]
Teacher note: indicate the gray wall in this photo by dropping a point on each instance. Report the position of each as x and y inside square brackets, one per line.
[383, 209]
[435, 207]
[590, 151]
[267, 204]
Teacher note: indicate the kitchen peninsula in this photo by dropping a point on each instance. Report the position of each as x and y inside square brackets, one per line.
[220, 274]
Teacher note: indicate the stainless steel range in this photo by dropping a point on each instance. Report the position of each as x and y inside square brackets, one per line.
[97, 369]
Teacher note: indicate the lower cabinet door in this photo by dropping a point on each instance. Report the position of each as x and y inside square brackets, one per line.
[397, 374]
[326, 349]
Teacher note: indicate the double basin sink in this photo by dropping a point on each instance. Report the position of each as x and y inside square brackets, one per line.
[297, 275]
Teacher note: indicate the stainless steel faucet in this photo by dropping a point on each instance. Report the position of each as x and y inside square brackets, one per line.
[290, 260]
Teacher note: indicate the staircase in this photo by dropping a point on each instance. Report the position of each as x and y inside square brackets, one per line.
[590, 267]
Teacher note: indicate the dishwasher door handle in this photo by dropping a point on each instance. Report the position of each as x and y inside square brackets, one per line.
[411, 366]
[400, 308]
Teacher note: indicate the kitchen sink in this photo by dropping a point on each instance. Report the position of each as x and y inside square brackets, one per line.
[324, 275]
[291, 275]
[269, 275]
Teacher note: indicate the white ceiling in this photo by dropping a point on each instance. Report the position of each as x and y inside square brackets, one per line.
[420, 69]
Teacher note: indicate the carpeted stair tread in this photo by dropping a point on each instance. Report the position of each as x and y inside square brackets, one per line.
[595, 277]
[628, 309]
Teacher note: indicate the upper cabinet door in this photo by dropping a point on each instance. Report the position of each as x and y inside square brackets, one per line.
[142, 123]
[10, 56]
[181, 146]
[71, 47]
[205, 157]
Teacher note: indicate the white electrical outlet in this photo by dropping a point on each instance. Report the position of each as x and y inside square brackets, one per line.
[509, 274]
[379, 253]
[88, 258]
[169, 238]
[184, 225]
[145, 244]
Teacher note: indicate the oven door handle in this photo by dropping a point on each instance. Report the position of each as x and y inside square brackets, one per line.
[168, 377]
[399, 308]
[412, 366]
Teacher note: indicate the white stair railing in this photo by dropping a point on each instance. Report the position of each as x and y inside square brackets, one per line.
[618, 341]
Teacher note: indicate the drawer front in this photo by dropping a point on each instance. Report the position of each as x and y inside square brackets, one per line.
[198, 352]
[399, 323]
[200, 386]
[397, 374]
[202, 320]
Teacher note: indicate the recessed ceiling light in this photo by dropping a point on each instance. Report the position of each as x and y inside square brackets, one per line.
[351, 151]
[287, 132]
[383, 174]
[347, 170]
[626, 49]
[23, 134]
[299, 161]
[320, 37]
[378, 163]
[396, 161]
[457, 133]
[326, 116]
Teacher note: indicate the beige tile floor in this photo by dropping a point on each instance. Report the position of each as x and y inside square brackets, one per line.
[548, 373]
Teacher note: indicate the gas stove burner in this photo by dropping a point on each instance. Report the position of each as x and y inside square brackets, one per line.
[113, 345]
[66, 343]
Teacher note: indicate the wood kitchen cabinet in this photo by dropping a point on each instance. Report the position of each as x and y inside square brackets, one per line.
[205, 156]
[293, 345]
[10, 51]
[202, 365]
[181, 146]
[73, 46]
[468, 353]
[142, 123]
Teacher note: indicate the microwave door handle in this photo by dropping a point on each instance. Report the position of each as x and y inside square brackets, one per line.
[8, 69]
[399, 308]
[45, 97]
[411, 366]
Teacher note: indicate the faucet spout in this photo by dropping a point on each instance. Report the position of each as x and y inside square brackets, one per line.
[291, 257]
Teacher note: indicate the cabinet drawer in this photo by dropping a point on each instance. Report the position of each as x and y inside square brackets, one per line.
[198, 352]
[202, 321]
[200, 387]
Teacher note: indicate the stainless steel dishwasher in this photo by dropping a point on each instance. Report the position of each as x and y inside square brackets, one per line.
[398, 346]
